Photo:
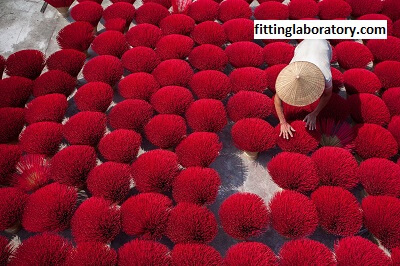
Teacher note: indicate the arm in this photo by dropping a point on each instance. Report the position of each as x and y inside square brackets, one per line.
[311, 119]
[286, 129]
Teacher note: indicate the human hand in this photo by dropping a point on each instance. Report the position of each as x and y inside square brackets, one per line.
[286, 130]
[311, 121]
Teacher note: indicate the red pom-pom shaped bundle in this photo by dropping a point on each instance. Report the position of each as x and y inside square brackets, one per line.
[245, 54]
[42, 249]
[155, 171]
[9, 157]
[368, 108]
[391, 97]
[203, 10]
[103, 68]
[374, 141]
[77, 35]
[359, 80]
[210, 84]
[130, 114]
[196, 185]
[206, 115]
[140, 252]
[380, 177]
[198, 254]
[232, 9]
[305, 252]
[138, 86]
[253, 135]
[362, 7]
[121, 145]
[85, 128]
[385, 49]
[110, 180]
[250, 253]
[177, 24]
[332, 9]
[151, 13]
[145, 34]
[88, 11]
[92, 253]
[72, 165]
[389, 73]
[172, 100]
[299, 9]
[50, 107]
[165, 130]
[68, 60]
[294, 171]
[140, 59]
[123, 10]
[12, 120]
[272, 73]
[50, 208]
[190, 223]
[338, 210]
[110, 42]
[94, 96]
[12, 204]
[198, 149]
[249, 104]
[41, 138]
[173, 72]
[54, 81]
[174, 46]
[293, 215]
[244, 215]
[209, 32]
[278, 53]
[352, 54]
[239, 30]
[146, 215]
[271, 10]
[25, 63]
[208, 57]
[303, 140]
[394, 128]
[248, 79]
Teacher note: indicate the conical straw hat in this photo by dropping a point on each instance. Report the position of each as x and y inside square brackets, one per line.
[300, 83]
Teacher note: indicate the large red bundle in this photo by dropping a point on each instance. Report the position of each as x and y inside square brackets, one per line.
[138, 86]
[391, 97]
[368, 108]
[272, 73]
[140, 59]
[9, 157]
[122, 10]
[15, 91]
[177, 24]
[389, 73]
[174, 46]
[248, 79]
[359, 80]
[12, 120]
[208, 57]
[77, 35]
[88, 11]
[140, 252]
[278, 53]
[198, 254]
[110, 42]
[299, 9]
[332, 9]
[151, 13]
[249, 104]
[94, 96]
[130, 114]
[210, 84]
[172, 100]
[68, 60]
[173, 72]
[232, 9]
[72, 165]
[250, 253]
[54, 81]
[384, 49]
[203, 10]
[50, 208]
[206, 115]
[239, 30]
[352, 54]
[12, 204]
[104, 68]
[293, 215]
[245, 54]
[25, 63]
[42, 138]
[92, 253]
[50, 107]
[145, 34]
[121, 145]
[165, 130]
[271, 10]
[146, 215]
[209, 32]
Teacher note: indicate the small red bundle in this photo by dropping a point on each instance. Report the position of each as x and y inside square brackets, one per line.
[249, 104]
[294, 171]
[232, 9]
[174, 46]
[210, 84]
[208, 57]
[332, 9]
[239, 30]
[50, 208]
[384, 49]
[110, 42]
[190, 223]
[250, 253]
[72, 165]
[338, 210]
[374, 141]
[173, 72]
[380, 177]
[130, 114]
[203, 10]
[141, 252]
[140, 59]
[271, 10]
[198, 149]
[25, 63]
[103, 68]
[146, 215]
[12, 204]
[110, 180]
[12, 120]
[352, 54]
[394, 128]
[9, 157]
[77, 35]
[206, 115]
[88, 11]
[362, 7]
[94, 96]
[278, 52]
[245, 54]
[177, 24]
[305, 252]
[299, 9]
[138, 86]
[165, 130]
[85, 128]
[209, 32]
[151, 13]
[272, 73]
[41, 138]
[145, 34]
[54, 81]
[155, 171]
[198, 254]
[172, 100]
[293, 215]
[123, 10]
[391, 97]
[121, 145]
[248, 79]
[196, 185]
[359, 80]
[68, 60]
[92, 253]
[368, 108]
[244, 215]
[96, 220]
[342, 174]
[389, 73]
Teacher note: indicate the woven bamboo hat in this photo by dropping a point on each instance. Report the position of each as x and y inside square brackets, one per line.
[300, 83]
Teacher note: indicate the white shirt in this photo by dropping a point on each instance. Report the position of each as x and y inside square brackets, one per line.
[318, 52]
